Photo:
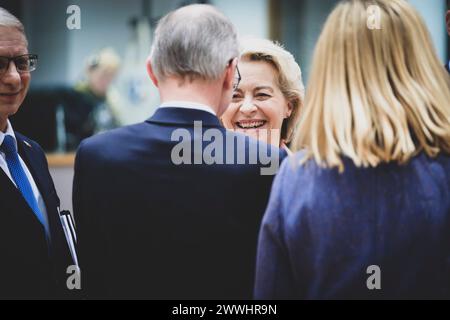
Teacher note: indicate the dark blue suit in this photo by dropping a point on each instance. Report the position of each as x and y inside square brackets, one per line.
[28, 267]
[446, 66]
[322, 230]
[151, 229]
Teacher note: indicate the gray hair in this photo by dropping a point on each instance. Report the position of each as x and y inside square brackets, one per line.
[196, 41]
[9, 20]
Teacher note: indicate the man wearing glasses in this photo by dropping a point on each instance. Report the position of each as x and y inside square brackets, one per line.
[34, 254]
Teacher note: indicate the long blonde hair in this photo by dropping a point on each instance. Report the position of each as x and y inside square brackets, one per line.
[374, 95]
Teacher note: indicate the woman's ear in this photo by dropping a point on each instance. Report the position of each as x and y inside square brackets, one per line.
[151, 73]
[290, 108]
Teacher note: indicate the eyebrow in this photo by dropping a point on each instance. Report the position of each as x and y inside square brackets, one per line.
[239, 90]
[263, 88]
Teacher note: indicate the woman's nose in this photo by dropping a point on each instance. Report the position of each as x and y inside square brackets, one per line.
[248, 107]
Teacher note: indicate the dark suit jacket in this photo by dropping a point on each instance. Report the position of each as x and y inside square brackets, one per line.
[29, 268]
[151, 229]
[446, 66]
[322, 230]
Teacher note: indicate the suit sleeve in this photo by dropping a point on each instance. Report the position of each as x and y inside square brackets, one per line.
[274, 278]
[89, 237]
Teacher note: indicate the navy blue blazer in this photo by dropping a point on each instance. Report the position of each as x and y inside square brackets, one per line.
[29, 268]
[322, 230]
[151, 229]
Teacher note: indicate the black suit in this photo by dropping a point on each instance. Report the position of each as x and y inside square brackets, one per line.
[29, 268]
[151, 229]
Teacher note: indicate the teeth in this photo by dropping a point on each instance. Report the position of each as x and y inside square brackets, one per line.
[252, 124]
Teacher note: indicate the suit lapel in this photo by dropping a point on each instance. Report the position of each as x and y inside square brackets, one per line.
[35, 167]
[17, 215]
[13, 195]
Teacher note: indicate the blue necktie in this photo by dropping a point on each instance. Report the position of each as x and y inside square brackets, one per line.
[21, 180]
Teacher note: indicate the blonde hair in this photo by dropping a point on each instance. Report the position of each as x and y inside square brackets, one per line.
[289, 75]
[375, 95]
[106, 58]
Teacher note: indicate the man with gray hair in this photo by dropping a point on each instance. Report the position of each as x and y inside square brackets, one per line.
[33, 251]
[157, 218]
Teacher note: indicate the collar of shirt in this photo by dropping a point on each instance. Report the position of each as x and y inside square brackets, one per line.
[9, 132]
[188, 105]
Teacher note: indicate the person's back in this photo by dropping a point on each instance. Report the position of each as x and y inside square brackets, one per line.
[338, 225]
[364, 210]
[166, 208]
[172, 231]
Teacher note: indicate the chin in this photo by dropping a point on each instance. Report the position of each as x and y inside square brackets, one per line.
[9, 110]
[260, 135]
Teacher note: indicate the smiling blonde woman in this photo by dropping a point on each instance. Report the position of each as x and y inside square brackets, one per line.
[270, 94]
[368, 215]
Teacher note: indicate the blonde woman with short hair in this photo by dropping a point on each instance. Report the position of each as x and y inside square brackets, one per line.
[363, 209]
[267, 102]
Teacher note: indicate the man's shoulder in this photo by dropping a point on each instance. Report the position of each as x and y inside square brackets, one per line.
[30, 143]
[112, 139]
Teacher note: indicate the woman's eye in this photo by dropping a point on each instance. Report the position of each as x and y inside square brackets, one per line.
[236, 96]
[263, 96]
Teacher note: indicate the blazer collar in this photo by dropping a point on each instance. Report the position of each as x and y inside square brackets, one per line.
[28, 155]
[182, 116]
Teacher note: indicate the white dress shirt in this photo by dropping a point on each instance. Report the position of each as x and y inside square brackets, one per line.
[4, 166]
[188, 105]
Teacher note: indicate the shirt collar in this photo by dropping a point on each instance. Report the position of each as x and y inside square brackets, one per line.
[9, 132]
[188, 105]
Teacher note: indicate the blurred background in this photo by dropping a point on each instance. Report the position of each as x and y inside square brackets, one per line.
[93, 79]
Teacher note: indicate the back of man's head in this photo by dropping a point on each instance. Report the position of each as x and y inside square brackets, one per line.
[196, 41]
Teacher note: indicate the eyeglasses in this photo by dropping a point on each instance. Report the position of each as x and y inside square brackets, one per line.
[24, 63]
[237, 79]
[237, 76]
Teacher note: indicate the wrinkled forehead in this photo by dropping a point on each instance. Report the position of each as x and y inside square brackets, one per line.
[12, 42]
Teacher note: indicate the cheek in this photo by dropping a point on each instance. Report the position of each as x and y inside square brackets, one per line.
[274, 113]
[25, 79]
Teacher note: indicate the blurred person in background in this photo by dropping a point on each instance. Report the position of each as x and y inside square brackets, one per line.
[94, 110]
[69, 114]
[371, 188]
[267, 103]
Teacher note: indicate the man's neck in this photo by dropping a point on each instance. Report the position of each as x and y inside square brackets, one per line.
[197, 92]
